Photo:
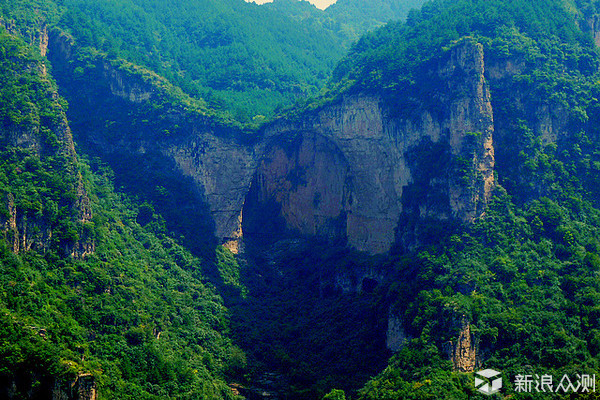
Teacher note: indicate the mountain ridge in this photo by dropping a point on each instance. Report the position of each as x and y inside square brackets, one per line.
[461, 148]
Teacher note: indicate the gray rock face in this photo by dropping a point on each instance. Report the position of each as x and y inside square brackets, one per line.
[83, 387]
[343, 171]
[396, 338]
[338, 175]
[222, 169]
[347, 171]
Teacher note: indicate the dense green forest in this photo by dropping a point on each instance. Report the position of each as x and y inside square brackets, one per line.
[244, 60]
[238, 56]
[359, 16]
[347, 19]
[136, 314]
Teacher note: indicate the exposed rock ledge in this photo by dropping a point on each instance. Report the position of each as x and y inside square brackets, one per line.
[347, 171]
[343, 171]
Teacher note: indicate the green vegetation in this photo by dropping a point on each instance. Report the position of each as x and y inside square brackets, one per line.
[543, 34]
[138, 312]
[551, 63]
[236, 55]
[244, 60]
[135, 314]
[355, 17]
[347, 19]
[25, 99]
[526, 278]
[524, 275]
[297, 323]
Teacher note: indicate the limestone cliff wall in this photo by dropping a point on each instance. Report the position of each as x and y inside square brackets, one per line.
[222, 169]
[83, 387]
[25, 232]
[347, 171]
[343, 170]
[80, 387]
[219, 164]
[464, 352]
[395, 338]
[213, 158]
[593, 24]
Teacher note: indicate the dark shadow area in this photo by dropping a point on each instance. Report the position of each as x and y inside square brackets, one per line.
[128, 137]
[299, 325]
[369, 285]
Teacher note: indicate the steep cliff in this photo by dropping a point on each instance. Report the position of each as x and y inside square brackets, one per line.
[194, 167]
[464, 351]
[395, 338]
[32, 135]
[348, 171]
[82, 290]
[351, 169]
[83, 387]
[373, 169]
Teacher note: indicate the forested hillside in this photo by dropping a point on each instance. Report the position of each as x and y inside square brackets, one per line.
[100, 298]
[95, 293]
[243, 59]
[524, 276]
[359, 16]
[347, 19]
[197, 236]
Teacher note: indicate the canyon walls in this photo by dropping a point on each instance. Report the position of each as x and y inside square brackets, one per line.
[349, 170]
[372, 170]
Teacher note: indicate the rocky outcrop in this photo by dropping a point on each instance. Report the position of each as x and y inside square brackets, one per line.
[221, 167]
[593, 24]
[25, 233]
[344, 170]
[83, 387]
[122, 85]
[45, 137]
[86, 387]
[43, 41]
[464, 352]
[308, 177]
[33, 385]
[396, 338]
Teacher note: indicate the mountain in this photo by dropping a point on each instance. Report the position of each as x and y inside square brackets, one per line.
[356, 17]
[347, 19]
[505, 291]
[244, 59]
[437, 200]
[96, 297]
